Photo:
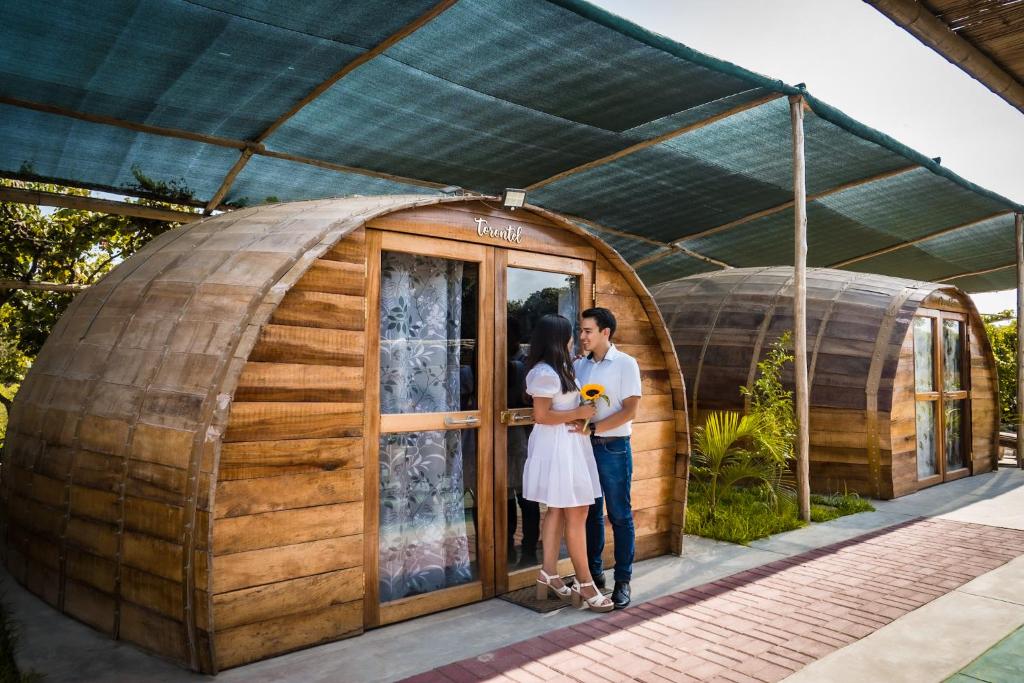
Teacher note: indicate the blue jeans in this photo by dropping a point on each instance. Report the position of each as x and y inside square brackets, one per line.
[615, 469]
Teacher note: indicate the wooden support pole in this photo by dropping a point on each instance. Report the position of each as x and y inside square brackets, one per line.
[800, 309]
[72, 201]
[41, 286]
[1019, 224]
[228, 180]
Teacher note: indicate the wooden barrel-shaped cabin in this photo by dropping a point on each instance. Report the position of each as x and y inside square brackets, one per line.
[283, 425]
[902, 379]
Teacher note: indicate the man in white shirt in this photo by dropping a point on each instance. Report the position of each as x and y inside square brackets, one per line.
[610, 430]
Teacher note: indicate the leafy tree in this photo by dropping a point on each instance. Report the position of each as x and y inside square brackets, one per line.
[62, 246]
[1004, 346]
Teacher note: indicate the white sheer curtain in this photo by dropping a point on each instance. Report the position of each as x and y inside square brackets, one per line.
[423, 539]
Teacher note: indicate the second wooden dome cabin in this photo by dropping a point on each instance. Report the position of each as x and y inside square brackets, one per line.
[902, 379]
[283, 425]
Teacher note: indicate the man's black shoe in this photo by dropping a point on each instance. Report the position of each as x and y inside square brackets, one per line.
[600, 581]
[620, 595]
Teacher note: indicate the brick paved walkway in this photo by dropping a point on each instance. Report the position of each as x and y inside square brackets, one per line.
[760, 625]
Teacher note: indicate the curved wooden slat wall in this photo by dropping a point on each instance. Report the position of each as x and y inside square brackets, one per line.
[860, 363]
[184, 463]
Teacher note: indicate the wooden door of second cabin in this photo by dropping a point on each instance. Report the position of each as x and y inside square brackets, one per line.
[941, 395]
[447, 521]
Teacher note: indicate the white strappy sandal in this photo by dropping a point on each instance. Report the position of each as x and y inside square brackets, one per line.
[544, 587]
[597, 603]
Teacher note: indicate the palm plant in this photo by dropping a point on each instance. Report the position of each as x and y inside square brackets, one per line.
[729, 452]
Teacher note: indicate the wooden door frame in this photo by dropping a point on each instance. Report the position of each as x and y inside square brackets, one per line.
[939, 396]
[585, 269]
[375, 613]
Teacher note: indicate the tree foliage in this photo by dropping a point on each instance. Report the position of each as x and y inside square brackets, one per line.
[1004, 347]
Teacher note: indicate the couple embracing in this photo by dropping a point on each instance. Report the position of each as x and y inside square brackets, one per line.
[579, 458]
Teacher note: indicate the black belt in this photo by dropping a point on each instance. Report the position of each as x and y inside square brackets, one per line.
[607, 439]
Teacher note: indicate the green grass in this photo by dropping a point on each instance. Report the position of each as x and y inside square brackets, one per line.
[9, 671]
[746, 515]
[834, 505]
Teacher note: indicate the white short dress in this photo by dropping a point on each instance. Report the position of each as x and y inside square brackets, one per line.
[560, 470]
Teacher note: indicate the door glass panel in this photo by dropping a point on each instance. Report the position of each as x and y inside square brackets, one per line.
[531, 295]
[954, 416]
[428, 537]
[924, 372]
[952, 352]
[428, 480]
[428, 334]
[927, 464]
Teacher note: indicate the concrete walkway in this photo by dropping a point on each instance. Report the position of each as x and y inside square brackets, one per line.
[984, 508]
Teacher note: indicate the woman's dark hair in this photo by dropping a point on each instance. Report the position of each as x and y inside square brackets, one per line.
[549, 344]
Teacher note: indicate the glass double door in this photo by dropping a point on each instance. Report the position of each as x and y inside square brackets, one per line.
[454, 321]
[941, 396]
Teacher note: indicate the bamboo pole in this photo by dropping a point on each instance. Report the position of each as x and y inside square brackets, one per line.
[41, 286]
[933, 32]
[1019, 225]
[800, 308]
[919, 240]
[109, 206]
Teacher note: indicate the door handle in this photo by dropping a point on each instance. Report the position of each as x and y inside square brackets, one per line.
[465, 421]
[508, 417]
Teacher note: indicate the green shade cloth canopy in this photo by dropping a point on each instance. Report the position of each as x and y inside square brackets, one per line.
[686, 159]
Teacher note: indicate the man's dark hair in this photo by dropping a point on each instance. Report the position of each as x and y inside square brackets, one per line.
[604, 319]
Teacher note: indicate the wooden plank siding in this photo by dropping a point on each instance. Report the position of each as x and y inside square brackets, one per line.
[660, 440]
[187, 465]
[288, 519]
[860, 344]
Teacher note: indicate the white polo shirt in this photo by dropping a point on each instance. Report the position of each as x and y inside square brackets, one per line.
[619, 374]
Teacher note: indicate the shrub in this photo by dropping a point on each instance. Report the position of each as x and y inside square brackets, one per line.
[771, 404]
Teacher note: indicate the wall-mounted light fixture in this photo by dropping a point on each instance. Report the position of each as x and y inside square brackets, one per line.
[512, 198]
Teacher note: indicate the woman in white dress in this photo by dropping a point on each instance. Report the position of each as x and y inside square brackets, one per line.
[560, 470]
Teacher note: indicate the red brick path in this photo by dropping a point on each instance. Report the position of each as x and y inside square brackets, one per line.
[762, 624]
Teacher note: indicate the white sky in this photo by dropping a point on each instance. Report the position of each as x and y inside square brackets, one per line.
[854, 58]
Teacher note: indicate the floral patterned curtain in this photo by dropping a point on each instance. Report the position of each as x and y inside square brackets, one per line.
[423, 540]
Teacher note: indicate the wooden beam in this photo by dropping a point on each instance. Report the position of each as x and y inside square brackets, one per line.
[653, 141]
[802, 446]
[621, 233]
[919, 240]
[351, 169]
[121, 123]
[933, 32]
[388, 42]
[41, 286]
[788, 205]
[958, 276]
[70, 201]
[1019, 232]
[228, 180]
[257, 148]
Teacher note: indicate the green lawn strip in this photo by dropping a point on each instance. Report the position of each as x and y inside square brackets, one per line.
[745, 515]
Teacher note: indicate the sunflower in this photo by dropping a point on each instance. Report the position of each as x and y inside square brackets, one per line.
[592, 392]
